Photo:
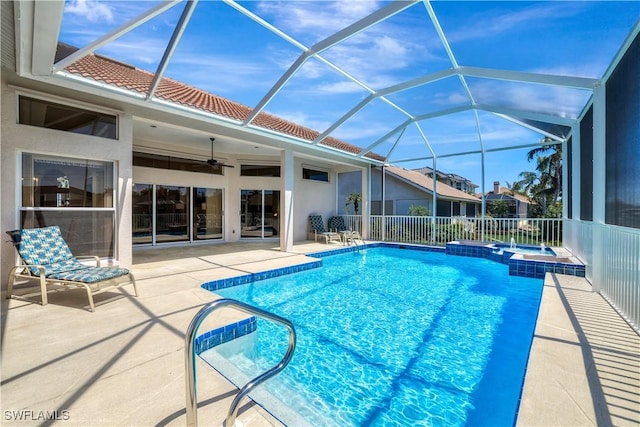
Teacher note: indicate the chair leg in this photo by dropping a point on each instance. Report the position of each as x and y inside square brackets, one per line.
[133, 281]
[43, 289]
[92, 307]
[12, 279]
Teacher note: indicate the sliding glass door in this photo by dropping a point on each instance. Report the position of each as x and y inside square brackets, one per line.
[172, 213]
[259, 213]
[207, 213]
[164, 214]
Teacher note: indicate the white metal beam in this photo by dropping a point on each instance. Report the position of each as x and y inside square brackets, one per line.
[47, 20]
[522, 77]
[384, 138]
[315, 50]
[132, 24]
[541, 117]
[171, 47]
[530, 127]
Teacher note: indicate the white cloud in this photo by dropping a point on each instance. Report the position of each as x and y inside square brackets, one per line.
[91, 10]
[316, 19]
[496, 21]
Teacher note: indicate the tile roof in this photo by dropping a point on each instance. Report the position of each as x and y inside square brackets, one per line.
[425, 182]
[505, 193]
[125, 76]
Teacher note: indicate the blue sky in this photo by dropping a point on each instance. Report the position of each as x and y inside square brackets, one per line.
[225, 52]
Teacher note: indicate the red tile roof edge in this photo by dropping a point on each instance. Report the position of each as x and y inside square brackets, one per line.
[113, 72]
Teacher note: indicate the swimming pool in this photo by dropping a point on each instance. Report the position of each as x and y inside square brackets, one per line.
[390, 336]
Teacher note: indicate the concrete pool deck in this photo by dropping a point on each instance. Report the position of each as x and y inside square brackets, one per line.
[124, 364]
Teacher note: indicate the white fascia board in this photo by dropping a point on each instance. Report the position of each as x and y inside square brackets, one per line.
[47, 20]
[23, 27]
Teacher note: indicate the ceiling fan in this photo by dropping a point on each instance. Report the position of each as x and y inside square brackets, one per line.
[215, 164]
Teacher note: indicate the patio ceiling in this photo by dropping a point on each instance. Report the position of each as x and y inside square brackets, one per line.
[440, 100]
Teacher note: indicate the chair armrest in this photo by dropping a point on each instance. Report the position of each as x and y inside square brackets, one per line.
[91, 257]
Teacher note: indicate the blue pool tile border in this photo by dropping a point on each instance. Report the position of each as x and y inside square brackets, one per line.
[223, 334]
[254, 277]
[517, 266]
[377, 245]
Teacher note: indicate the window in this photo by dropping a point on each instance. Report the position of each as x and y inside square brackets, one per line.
[376, 207]
[45, 114]
[75, 194]
[260, 170]
[159, 161]
[315, 174]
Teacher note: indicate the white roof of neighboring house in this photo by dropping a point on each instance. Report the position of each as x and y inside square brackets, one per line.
[426, 183]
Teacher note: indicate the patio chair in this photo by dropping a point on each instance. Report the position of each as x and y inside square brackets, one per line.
[317, 229]
[353, 237]
[45, 256]
[337, 224]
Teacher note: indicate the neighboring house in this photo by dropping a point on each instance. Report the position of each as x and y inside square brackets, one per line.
[404, 188]
[518, 202]
[451, 179]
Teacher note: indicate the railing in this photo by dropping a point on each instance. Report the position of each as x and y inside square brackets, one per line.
[190, 357]
[423, 230]
[619, 281]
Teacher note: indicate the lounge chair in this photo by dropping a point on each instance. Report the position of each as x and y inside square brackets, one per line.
[45, 256]
[353, 237]
[348, 236]
[317, 229]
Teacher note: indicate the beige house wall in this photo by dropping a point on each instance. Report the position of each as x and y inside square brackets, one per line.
[16, 139]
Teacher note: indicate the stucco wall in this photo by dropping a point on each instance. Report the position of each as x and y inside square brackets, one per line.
[312, 197]
[16, 139]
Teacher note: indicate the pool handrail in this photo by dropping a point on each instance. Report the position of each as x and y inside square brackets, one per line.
[190, 357]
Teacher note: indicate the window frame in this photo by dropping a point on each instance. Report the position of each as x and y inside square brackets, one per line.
[65, 102]
[316, 169]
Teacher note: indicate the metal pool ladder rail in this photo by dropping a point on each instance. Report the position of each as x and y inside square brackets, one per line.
[190, 357]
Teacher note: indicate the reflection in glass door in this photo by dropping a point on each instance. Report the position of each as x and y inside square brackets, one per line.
[259, 213]
[142, 223]
[207, 213]
[172, 213]
[162, 214]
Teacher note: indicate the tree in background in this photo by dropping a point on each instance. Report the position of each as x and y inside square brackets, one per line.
[544, 186]
[499, 209]
[353, 199]
[419, 210]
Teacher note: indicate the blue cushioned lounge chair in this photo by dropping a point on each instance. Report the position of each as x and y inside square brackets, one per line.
[45, 256]
[337, 224]
[317, 229]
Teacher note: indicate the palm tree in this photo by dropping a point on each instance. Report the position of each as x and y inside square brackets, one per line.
[545, 185]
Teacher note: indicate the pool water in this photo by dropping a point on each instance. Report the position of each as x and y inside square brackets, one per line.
[390, 337]
[526, 250]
